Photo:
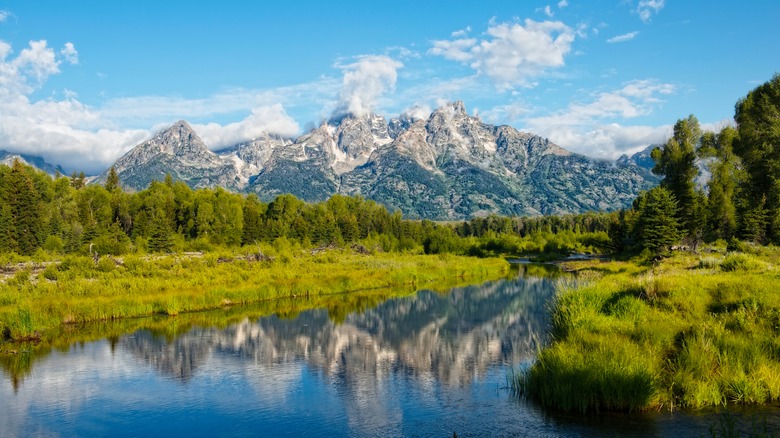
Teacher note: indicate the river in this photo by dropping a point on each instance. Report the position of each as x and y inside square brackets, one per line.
[432, 364]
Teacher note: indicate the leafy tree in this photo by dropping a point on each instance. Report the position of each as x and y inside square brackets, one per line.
[725, 175]
[658, 225]
[676, 162]
[758, 145]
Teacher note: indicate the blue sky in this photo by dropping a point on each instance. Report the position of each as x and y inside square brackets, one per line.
[82, 82]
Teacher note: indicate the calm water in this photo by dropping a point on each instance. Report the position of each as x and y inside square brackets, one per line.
[427, 365]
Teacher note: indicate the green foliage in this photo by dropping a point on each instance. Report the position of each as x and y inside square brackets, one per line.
[737, 261]
[676, 162]
[160, 233]
[658, 225]
[112, 180]
[80, 290]
[21, 218]
[758, 146]
[631, 338]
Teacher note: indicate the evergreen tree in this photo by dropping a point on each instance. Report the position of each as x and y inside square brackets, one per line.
[758, 145]
[7, 242]
[755, 223]
[658, 225]
[112, 180]
[77, 181]
[26, 210]
[252, 221]
[725, 175]
[160, 233]
[676, 162]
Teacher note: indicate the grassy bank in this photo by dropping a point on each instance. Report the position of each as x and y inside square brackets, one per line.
[39, 301]
[691, 332]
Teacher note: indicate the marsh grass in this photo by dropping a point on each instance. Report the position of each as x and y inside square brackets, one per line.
[663, 337]
[18, 365]
[80, 291]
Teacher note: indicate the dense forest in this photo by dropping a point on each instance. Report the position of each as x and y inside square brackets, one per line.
[65, 215]
[740, 201]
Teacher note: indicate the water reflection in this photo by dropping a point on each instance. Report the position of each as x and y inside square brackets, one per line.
[424, 365]
[452, 337]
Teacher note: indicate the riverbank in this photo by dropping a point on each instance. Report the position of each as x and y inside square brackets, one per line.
[36, 302]
[689, 332]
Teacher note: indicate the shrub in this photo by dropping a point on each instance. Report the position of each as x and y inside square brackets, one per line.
[737, 261]
[709, 262]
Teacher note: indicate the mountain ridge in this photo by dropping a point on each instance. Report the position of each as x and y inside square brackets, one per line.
[448, 166]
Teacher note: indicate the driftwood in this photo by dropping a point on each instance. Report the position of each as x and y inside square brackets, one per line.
[324, 248]
[360, 249]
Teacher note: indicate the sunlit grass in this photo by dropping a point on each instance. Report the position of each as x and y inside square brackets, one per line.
[690, 332]
[77, 290]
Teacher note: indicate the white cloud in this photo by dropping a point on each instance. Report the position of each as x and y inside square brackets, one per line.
[504, 114]
[582, 30]
[511, 54]
[148, 110]
[461, 33]
[80, 137]
[647, 8]
[609, 140]
[591, 128]
[70, 53]
[271, 119]
[548, 11]
[38, 60]
[365, 82]
[562, 4]
[418, 112]
[625, 37]
[4, 14]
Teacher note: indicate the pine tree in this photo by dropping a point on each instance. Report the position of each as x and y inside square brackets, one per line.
[160, 233]
[658, 225]
[755, 223]
[252, 221]
[758, 145]
[23, 200]
[676, 162]
[725, 175]
[112, 180]
[77, 181]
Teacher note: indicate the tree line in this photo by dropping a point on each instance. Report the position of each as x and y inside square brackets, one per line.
[65, 215]
[741, 200]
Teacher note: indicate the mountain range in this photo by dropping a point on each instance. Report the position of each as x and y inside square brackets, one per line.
[448, 166]
[8, 159]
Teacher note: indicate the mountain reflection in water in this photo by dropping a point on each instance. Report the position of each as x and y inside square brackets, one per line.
[452, 337]
[427, 364]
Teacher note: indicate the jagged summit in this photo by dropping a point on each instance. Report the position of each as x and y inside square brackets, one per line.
[177, 151]
[448, 165]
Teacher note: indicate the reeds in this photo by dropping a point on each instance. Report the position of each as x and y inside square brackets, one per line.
[667, 336]
[78, 290]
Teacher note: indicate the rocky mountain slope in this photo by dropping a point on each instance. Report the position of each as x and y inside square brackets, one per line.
[8, 158]
[642, 158]
[448, 166]
[177, 151]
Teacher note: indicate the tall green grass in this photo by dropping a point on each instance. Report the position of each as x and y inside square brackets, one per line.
[633, 337]
[79, 290]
